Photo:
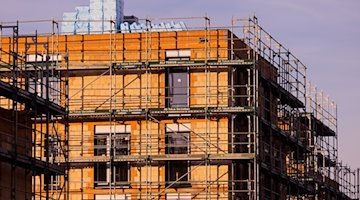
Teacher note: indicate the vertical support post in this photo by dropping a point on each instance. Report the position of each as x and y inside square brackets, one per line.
[255, 117]
[15, 109]
[232, 181]
[1, 30]
[112, 132]
[207, 101]
[47, 176]
[67, 129]
[148, 27]
[232, 39]
[357, 189]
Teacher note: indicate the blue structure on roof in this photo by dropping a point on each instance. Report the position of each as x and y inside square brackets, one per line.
[104, 16]
[82, 25]
[161, 27]
[94, 18]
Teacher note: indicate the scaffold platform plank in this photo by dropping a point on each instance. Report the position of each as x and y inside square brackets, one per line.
[185, 63]
[26, 162]
[7, 90]
[286, 136]
[166, 157]
[158, 113]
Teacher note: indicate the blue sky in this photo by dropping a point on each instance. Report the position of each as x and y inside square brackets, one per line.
[323, 34]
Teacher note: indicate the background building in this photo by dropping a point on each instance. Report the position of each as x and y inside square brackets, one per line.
[204, 113]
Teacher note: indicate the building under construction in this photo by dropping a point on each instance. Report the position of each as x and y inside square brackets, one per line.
[203, 113]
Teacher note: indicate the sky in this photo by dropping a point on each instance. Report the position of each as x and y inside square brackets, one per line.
[323, 34]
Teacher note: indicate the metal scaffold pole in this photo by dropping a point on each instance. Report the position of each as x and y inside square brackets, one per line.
[207, 99]
[147, 120]
[257, 38]
[112, 181]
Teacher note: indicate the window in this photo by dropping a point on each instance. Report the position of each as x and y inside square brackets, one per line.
[177, 143]
[101, 172]
[178, 196]
[54, 147]
[101, 142]
[267, 105]
[118, 172]
[177, 138]
[39, 86]
[176, 55]
[113, 197]
[122, 144]
[53, 183]
[177, 80]
[121, 173]
[177, 171]
[177, 87]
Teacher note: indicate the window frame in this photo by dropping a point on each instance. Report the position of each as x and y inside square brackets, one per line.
[177, 148]
[177, 129]
[169, 94]
[38, 86]
[54, 147]
[175, 170]
[114, 197]
[178, 196]
[54, 183]
[122, 132]
[180, 166]
[174, 56]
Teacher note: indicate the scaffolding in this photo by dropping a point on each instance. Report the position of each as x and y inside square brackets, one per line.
[203, 113]
[34, 117]
[331, 172]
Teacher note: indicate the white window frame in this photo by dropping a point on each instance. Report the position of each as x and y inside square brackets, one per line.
[178, 196]
[168, 86]
[179, 128]
[112, 197]
[54, 142]
[54, 183]
[39, 86]
[107, 130]
[178, 54]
